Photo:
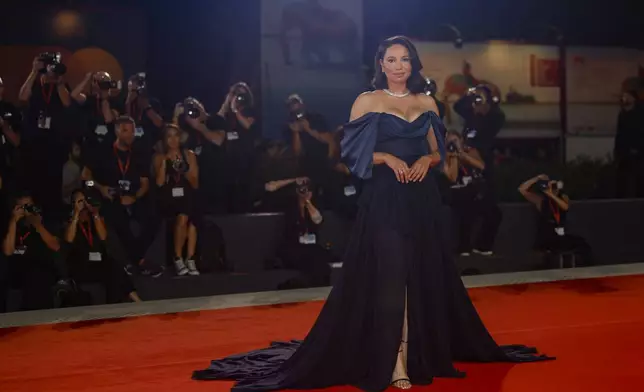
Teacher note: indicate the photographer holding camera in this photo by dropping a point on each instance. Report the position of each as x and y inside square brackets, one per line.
[31, 260]
[87, 255]
[205, 135]
[301, 250]
[44, 138]
[96, 106]
[242, 138]
[120, 175]
[470, 196]
[483, 121]
[553, 204]
[309, 136]
[177, 176]
[10, 119]
[145, 112]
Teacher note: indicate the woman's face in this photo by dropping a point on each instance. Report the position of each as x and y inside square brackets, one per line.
[173, 139]
[396, 64]
[76, 151]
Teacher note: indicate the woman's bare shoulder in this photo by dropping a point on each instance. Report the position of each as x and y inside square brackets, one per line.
[365, 103]
[427, 102]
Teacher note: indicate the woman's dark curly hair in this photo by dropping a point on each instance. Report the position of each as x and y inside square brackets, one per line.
[416, 82]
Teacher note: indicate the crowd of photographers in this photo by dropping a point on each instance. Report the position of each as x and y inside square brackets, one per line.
[82, 169]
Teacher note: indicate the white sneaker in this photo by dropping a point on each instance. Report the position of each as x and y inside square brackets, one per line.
[465, 254]
[483, 252]
[180, 266]
[192, 267]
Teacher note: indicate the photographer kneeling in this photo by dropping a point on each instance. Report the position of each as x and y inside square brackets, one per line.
[471, 197]
[87, 255]
[301, 250]
[177, 176]
[553, 204]
[31, 256]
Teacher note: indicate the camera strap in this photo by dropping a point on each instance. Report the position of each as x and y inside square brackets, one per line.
[89, 236]
[123, 168]
[46, 96]
[556, 213]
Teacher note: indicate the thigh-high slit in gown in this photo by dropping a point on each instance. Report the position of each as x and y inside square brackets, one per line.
[397, 256]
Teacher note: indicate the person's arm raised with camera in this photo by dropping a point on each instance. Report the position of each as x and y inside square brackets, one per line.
[561, 200]
[217, 136]
[49, 239]
[77, 93]
[143, 102]
[25, 90]
[245, 121]
[525, 190]
[70, 232]
[9, 242]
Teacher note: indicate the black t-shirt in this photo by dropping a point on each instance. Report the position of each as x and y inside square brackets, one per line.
[45, 112]
[86, 245]
[30, 247]
[120, 169]
[314, 161]
[551, 223]
[299, 228]
[241, 143]
[210, 156]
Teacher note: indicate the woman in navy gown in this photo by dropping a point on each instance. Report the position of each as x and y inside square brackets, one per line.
[400, 314]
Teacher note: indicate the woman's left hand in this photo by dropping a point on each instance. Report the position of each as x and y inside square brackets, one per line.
[419, 169]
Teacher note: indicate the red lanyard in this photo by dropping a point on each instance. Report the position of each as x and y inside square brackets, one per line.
[555, 212]
[123, 168]
[46, 96]
[88, 234]
[23, 238]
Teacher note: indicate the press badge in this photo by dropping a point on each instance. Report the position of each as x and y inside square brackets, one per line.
[307, 239]
[44, 122]
[560, 231]
[349, 190]
[95, 256]
[138, 132]
[232, 136]
[20, 250]
[124, 185]
[177, 192]
[101, 130]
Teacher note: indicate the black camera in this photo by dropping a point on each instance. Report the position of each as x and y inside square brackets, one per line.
[7, 116]
[141, 82]
[302, 189]
[52, 62]
[544, 185]
[243, 99]
[92, 196]
[109, 84]
[32, 209]
[297, 114]
[191, 109]
[452, 147]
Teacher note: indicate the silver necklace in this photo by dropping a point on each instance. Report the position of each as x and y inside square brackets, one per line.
[397, 95]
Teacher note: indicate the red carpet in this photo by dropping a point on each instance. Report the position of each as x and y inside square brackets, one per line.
[595, 327]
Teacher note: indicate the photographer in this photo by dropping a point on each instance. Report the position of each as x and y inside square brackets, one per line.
[120, 174]
[145, 111]
[275, 170]
[87, 256]
[629, 147]
[44, 139]
[301, 250]
[242, 138]
[31, 258]
[311, 141]
[10, 119]
[177, 176]
[483, 120]
[470, 196]
[205, 135]
[96, 108]
[552, 204]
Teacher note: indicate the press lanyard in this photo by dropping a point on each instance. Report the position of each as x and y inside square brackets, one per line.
[123, 168]
[88, 234]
